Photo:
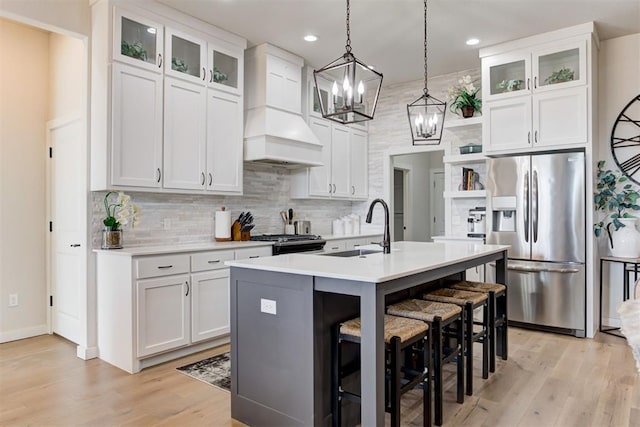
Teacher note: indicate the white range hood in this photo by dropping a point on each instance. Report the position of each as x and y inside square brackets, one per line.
[274, 130]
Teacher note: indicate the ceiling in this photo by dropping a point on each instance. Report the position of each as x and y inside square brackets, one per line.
[389, 34]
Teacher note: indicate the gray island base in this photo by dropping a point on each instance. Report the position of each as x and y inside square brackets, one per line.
[282, 310]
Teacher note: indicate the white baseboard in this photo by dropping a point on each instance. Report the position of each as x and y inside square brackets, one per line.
[86, 353]
[611, 322]
[20, 334]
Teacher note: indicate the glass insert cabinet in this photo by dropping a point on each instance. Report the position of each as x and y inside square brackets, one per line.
[526, 72]
[138, 41]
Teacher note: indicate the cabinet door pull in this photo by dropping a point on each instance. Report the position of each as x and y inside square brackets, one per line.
[535, 82]
[334, 189]
[165, 266]
[75, 245]
[215, 261]
[159, 60]
[210, 76]
[353, 190]
[529, 137]
[210, 179]
[202, 178]
[330, 189]
[254, 256]
[528, 86]
[187, 294]
[535, 136]
[159, 174]
[204, 74]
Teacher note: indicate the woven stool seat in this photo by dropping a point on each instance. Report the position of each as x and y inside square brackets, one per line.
[479, 287]
[423, 310]
[455, 296]
[400, 327]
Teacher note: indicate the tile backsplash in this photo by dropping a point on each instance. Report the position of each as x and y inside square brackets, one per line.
[190, 217]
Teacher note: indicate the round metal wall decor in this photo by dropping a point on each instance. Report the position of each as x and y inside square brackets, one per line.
[625, 140]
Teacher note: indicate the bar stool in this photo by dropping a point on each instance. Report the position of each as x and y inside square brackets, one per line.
[439, 316]
[400, 334]
[468, 301]
[497, 315]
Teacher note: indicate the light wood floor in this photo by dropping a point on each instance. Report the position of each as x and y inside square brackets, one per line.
[549, 380]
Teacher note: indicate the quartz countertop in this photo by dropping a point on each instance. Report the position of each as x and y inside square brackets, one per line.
[405, 259]
[189, 247]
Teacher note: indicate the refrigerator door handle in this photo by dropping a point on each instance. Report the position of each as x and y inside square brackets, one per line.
[534, 202]
[526, 207]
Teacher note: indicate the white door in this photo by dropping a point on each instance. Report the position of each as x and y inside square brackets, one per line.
[163, 313]
[359, 164]
[437, 203]
[320, 176]
[399, 201]
[224, 142]
[137, 127]
[340, 162]
[210, 304]
[185, 125]
[68, 215]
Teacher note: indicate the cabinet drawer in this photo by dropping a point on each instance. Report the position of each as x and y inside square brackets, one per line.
[162, 266]
[335, 246]
[210, 260]
[261, 251]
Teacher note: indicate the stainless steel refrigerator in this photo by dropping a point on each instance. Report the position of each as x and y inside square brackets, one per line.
[536, 204]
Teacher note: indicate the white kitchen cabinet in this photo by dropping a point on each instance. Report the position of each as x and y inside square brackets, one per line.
[283, 84]
[224, 142]
[256, 252]
[163, 314]
[186, 57]
[148, 125]
[185, 124]
[136, 149]
[209, 304]
[335, 246]
[344, 174]
[138, 40]
[537, 92]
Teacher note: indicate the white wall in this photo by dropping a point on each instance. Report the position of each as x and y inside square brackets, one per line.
[24, 64]
[67, 75]
[619, 82]
[65, 16]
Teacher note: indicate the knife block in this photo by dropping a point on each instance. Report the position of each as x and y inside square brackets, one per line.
[245, 235]
[236, 234]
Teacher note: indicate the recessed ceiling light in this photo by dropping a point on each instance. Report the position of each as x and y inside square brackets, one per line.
[472, 42]
[310, 38]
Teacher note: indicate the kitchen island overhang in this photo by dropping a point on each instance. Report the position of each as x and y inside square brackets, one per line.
[282, 309]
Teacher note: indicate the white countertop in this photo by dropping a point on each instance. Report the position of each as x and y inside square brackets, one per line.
[405, 259]
[190, 247]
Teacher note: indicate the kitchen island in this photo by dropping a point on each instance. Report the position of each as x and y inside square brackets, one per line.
[282, 310]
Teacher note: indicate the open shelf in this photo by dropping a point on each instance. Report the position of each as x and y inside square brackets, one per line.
[464, 158]
[470, 194]
[456, 123]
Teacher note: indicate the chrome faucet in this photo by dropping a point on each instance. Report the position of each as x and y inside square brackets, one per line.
[386, 243]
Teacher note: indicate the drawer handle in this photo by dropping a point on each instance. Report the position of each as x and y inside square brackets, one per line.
[75, 245]
[336, 247]
[254, 256]
[165, 266]
[214, 261]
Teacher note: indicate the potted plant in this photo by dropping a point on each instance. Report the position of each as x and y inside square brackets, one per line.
[119, 214]
[616, 197]
[462, 97]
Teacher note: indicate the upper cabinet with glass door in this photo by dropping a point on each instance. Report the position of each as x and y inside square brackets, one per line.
[138, 41]
[550, 66]
[186, 58]
[225, 67]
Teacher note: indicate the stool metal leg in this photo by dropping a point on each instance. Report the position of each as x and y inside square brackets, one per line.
[468, 313]
[461, 349]
[395, 382]
[437, 366]
[486, 340]
[492, 331]
[427, 394]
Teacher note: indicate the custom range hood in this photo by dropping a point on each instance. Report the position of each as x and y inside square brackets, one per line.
[274, 130]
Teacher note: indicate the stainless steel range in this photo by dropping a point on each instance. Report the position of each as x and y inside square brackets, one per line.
[292, 243]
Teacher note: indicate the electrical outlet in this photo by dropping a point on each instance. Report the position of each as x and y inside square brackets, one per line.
[166, 223]
[267, 306]
[13, 300]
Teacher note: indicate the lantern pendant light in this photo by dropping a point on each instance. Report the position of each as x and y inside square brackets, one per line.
[350, 87]
[426, 114]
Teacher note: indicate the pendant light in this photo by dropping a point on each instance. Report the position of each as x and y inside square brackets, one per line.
[426, 114]
[347, 89]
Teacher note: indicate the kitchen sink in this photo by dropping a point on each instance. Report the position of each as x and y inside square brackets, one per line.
[354, 252]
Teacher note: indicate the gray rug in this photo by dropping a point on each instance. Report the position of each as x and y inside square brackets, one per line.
[215, 370]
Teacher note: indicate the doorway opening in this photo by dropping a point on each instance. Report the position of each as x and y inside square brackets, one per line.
[400, 199]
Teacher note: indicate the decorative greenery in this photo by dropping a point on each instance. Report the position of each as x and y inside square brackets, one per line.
[179, 65]
[121, 212]
[133, 50]
[510, 85]
[219, 76]
[612, 199]
[560, 76]
[464, 95]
